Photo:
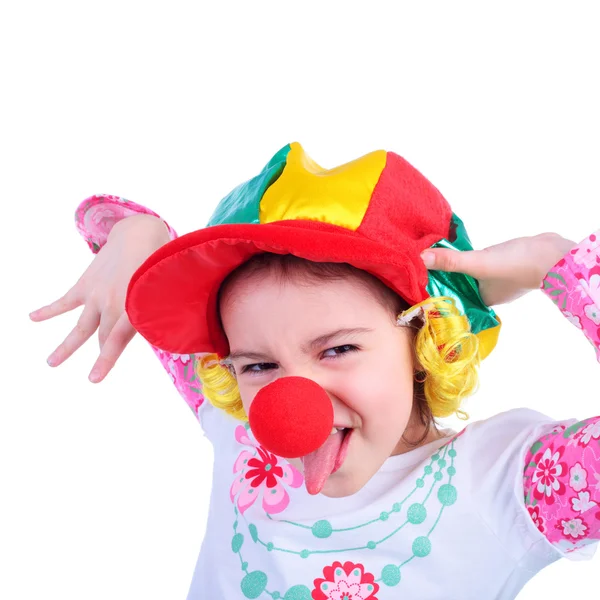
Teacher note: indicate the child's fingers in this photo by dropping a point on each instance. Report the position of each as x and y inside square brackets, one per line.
[68, 302]
[86, 325]
[108, 320]
[472, 262]
[122, 333]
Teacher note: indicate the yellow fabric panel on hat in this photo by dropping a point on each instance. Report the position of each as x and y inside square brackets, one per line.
[338, 196]
[488, 338]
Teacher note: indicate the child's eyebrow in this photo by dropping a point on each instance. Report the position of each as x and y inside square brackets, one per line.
[315, 344]
[324, 340]
[248, 355]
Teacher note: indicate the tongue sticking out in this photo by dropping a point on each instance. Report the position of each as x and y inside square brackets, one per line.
[318, 465]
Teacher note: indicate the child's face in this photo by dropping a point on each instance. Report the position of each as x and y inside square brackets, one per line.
[362, 359]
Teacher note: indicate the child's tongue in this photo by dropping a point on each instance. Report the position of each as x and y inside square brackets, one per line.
[319, 464]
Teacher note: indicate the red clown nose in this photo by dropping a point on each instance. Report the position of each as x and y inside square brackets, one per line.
[291, 417]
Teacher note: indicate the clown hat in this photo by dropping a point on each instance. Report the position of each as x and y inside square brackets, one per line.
[376, 213]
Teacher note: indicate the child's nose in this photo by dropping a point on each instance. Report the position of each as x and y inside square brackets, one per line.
[307, 371]
[291, 417]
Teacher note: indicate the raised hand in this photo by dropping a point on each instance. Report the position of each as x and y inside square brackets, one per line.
[102, 290]
[505, 271]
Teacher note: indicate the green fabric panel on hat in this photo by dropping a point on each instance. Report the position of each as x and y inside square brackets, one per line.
[242, 204]
[463, 288]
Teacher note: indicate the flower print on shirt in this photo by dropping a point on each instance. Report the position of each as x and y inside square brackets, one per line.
[538, 520]
[578, 480]
[582, 503]
[570, 522]
[593, 287]
[558, 429]
[547, 475]
[591, 291]
[573, 528]
[575, 320]
[345, 582]
[181, 368]
[592, 312]
[185, 379]
[585, 252]
[591, 431]
[184, 358]
[261, 473]
[96, 216]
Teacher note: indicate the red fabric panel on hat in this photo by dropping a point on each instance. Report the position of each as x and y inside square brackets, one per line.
[407, 212]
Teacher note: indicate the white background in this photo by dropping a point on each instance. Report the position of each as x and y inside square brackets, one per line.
[104, 488]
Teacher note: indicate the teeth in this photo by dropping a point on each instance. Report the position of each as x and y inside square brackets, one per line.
[335, 430]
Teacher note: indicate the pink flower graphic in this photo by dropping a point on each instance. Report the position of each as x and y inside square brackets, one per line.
[538, 520]
[573, 528]
[345, 582]
[261, 474]
[589, 432]
[180, 368]
[546, 476]
[583, 503]
[592, 312]
[594, 288]
[578, 480]
[586, 251]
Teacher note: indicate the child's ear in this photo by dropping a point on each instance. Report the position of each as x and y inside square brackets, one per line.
[410, 328]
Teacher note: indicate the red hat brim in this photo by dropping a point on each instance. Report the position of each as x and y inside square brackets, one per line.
[172, 297]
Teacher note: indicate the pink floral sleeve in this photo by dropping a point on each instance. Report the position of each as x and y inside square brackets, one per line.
[94, 218]
[574, 286]
[182, 371]
[562, 485]
[96, 215]
[562, 468]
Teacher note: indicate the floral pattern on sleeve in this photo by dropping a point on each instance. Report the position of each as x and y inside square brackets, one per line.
[181, 369]
[562, 468]
[573, 284]
[96, 215]
[562, 485]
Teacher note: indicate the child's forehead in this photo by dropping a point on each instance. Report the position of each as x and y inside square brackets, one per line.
[293, 315]
[304, 289]
[305, 285]
[268, 308]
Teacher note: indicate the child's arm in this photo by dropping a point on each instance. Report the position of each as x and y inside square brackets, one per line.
[94, 219]
[562, 469]
[569, 274]
[123, 235]
[562, 466]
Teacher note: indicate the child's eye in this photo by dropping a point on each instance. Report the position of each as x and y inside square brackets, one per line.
[339, 350]
[257, 368]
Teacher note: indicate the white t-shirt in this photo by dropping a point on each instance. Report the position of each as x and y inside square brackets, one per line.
[447, 520]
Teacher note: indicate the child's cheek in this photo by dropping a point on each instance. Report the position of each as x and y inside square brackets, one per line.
[247, 396]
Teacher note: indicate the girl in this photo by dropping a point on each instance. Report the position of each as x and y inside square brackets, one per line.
[305, 331]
